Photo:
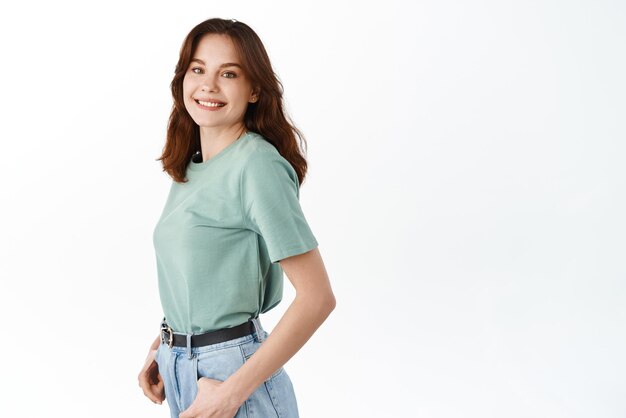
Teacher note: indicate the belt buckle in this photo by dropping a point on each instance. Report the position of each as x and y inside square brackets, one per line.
[165, 327]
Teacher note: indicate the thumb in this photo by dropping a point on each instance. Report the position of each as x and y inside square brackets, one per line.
[187, 413]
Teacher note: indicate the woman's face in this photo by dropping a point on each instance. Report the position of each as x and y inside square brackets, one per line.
[214, 76]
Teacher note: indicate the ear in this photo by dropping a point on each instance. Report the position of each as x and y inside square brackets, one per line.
[254, 96]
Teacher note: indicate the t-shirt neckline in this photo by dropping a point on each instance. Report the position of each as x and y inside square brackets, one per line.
[204, 164]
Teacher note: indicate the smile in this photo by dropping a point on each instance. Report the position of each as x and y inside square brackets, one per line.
[210, 104]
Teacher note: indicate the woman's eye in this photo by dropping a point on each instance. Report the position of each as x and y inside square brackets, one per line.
[228, 74]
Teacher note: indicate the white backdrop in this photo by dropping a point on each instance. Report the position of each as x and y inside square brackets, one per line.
[466, 185]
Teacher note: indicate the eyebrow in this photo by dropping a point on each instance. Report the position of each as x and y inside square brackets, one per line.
[226, 64]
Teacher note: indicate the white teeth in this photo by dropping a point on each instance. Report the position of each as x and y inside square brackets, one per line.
[209, 104]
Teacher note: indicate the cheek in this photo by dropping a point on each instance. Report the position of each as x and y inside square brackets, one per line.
[242, 97]
[188, 90]
[186, 87]
[189, 85]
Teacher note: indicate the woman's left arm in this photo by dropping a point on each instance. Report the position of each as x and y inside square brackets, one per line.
[313, 303]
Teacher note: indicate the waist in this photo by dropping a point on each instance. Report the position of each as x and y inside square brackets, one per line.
[178, 339]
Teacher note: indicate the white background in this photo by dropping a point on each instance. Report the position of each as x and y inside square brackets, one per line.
[467, 187]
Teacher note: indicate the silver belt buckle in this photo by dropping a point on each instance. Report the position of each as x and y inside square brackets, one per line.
[166, 328]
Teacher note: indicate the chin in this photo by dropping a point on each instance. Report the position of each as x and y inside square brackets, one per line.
[206, 124]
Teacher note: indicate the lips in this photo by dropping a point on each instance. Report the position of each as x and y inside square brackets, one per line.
[210, 102]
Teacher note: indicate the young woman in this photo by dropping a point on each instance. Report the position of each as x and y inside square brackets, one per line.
[231, 225]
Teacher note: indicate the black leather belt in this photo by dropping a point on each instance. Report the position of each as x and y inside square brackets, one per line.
[169, 337]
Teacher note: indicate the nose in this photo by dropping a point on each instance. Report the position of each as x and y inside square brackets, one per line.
[209, 84]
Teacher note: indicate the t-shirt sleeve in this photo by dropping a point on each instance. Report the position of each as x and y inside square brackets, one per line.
[271, 206]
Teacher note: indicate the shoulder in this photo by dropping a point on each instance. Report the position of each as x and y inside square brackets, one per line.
[264, 171]
[260, 156]
[258, 148]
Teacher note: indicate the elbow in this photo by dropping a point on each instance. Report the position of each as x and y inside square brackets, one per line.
[330, 303]
[325, 306]
[322, 303]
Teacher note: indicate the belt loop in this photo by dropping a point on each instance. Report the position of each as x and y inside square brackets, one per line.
[259, 329]
[189, 355]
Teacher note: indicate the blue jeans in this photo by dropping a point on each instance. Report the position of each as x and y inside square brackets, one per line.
[181, 367]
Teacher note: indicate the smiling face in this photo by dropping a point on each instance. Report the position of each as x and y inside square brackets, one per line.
[216, 91]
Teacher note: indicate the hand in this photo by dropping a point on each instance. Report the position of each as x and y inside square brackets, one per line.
[212, 401]
[150, 380]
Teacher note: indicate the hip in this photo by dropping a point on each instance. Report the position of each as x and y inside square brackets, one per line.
[181, 367]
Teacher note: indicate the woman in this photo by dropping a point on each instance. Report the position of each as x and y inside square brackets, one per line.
[231, 225]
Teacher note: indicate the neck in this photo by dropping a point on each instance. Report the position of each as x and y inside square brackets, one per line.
[213, 140]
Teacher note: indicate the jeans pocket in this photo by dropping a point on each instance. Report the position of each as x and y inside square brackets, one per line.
[282, 396]
[250, 348]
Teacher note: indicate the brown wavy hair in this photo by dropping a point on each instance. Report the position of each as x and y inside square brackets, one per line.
[267, 116]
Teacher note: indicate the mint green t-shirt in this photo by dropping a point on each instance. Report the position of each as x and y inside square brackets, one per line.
[221, 234]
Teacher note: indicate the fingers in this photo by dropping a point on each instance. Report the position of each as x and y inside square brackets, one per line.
[153, 373]
[153, 391]
[152, 396]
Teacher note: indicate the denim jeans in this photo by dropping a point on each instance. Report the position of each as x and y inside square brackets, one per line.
[181, 367]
